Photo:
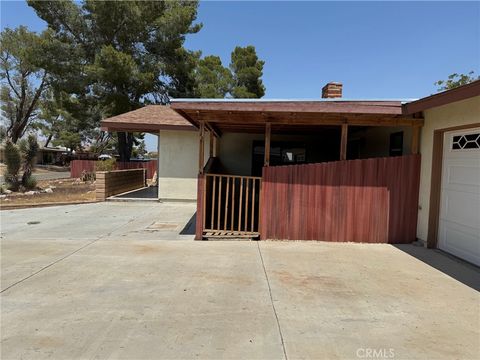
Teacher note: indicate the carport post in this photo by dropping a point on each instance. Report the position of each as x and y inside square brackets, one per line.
[201, 149]
[158, 166]
[268, 130]
[415, 139]
[211, 143]
[343, 142]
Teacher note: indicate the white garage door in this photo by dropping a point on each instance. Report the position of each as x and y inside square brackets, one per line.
[459, 225]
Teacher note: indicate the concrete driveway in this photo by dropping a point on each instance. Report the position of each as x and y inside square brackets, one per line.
[117, 280]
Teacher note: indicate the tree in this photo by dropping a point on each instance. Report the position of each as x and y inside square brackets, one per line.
[24, 75]
[455, 80]
[50, 120]
[141, 148]
[213, 80]
[247, 72]
[127, 52]
[66, 120]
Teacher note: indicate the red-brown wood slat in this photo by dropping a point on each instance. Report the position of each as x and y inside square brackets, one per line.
[200, 200]
[79, 166]
[370, 200]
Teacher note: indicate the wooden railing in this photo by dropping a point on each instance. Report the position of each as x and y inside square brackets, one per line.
[231, 205]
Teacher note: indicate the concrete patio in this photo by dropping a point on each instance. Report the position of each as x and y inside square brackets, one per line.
[126, 280]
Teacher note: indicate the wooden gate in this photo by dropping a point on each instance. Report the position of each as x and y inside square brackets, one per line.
[231, 206]
[371, 200]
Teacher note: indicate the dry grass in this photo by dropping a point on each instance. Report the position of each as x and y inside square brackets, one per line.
[66, 191]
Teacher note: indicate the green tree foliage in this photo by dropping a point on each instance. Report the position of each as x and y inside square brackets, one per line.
[67, 120]
[3, 133]
[51, 117]
[13, 161]
[28, 149]
[142, 148]
[126, 52]
[212, 78]
[247, 72]
[70, 140]
[24, 73]
[456, 80]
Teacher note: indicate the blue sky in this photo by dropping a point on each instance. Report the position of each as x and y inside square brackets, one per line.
[378, 50]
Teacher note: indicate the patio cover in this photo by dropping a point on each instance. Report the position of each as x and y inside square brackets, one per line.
[252, 115]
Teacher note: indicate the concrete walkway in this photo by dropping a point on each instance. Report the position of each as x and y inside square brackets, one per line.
[117, 280]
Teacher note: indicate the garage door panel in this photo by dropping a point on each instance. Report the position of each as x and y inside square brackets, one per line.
[464, 177]
[461, 207]
[459, 218]
[459, 242]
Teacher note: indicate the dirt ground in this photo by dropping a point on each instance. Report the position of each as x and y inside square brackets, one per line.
[64, 191]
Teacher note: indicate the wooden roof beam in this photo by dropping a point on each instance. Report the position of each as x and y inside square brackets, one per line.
[391, 121]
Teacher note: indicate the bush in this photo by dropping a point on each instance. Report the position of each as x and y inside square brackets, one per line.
[14, 162]
[29, 149]
[106, 165]
[29, 183]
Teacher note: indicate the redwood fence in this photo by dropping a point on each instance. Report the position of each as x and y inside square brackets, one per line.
[372, 200]
[78, 166]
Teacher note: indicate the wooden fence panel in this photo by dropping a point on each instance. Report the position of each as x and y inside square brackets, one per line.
[371, 200]
[78, 166]
[115, 182]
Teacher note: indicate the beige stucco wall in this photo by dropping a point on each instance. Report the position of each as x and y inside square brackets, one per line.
[178, 164]
[235, 152]
[458, 113]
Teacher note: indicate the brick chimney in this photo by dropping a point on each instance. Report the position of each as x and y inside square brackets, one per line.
[332, 90]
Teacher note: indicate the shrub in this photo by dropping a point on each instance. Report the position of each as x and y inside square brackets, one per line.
[29, 149]
[106, 165]
[13, 161]
[29, 183]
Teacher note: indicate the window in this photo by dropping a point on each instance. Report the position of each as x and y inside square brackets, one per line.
[396, 144]
[468, 141]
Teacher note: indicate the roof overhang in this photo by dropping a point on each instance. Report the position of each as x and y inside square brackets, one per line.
[151, 118]
[446, 97]
[251, 116]
[141, 127]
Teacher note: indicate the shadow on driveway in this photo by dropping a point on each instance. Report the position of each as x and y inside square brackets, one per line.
[460, 270]
[189, 229]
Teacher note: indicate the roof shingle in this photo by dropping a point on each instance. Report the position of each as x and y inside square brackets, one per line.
[150, 118]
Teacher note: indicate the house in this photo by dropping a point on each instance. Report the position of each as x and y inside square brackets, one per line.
[177, 148]
[277, 168]
[45, 155]
[449, 203]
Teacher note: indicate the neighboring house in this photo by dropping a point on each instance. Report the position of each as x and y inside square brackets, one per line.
[235, 149]
[45, 155]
